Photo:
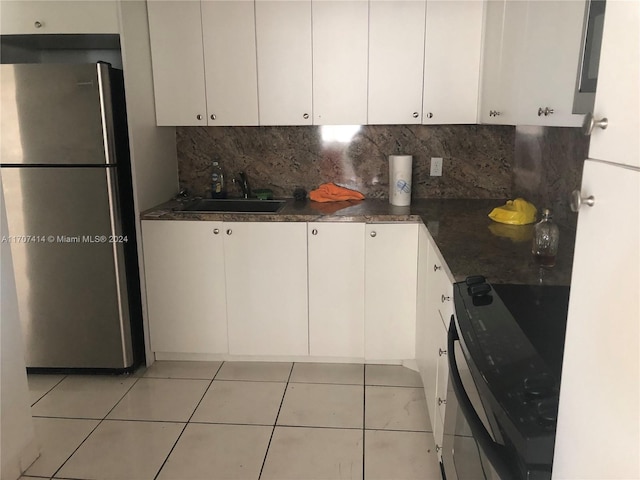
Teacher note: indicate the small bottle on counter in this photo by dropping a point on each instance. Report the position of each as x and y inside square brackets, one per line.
[545, 240]
[218, 187]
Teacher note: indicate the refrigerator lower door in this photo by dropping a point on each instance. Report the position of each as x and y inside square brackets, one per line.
[69, 266]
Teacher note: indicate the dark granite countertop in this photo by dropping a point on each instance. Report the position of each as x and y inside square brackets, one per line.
[470, 242]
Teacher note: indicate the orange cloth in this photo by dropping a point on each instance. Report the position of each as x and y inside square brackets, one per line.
[330, 192]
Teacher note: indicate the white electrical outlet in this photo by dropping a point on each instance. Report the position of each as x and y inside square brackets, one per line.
[436, 166]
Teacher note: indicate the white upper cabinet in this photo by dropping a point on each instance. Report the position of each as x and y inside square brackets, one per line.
[283, 34]
[618, 91]
[51, 17]
[230, 62]
[396, 59]
[452, 61]
[340, 43]
[550, 63]
[504, 27]
[175, 28]
[530, 61]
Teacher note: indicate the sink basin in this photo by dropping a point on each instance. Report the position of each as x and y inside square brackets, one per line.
[235, 205]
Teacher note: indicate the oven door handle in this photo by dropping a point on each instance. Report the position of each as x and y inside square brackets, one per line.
[495, 452]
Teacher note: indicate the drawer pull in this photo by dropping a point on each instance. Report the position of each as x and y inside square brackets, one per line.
[441, 352]
[436, 267]
[314, 232]
[445, 298]
[229, 232]
[441, 401]
[216, 231]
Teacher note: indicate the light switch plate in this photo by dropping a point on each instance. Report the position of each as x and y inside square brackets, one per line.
[436, 167]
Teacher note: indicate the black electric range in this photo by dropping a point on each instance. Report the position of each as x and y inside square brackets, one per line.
[512, 337]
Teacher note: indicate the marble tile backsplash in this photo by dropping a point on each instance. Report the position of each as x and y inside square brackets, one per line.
[541, 164]
[478, 159]
[548, 166]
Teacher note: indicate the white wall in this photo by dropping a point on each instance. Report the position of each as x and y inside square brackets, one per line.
[153, 149]
[17, 438]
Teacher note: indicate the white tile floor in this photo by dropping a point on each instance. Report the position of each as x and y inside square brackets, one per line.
[235, 420]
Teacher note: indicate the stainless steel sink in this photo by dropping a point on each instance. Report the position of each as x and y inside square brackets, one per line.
[235, 205]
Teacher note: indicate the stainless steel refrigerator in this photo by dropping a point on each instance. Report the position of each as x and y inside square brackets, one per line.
[67, 185]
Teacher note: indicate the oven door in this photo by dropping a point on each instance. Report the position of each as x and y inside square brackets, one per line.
[470, 452]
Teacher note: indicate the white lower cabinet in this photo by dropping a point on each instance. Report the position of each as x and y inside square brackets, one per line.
[185, 277]
[390, 291]
[266, 283]
[435, 307]
[341, 290]
[336, 289]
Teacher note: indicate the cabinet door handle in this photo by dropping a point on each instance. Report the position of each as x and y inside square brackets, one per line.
[373, 234]
[436, 267]
[546, 111]
[577, 200]
[314, 232]
[229, 232]
[429, 115]
[213, 116]
[590, 123]
[305, 116]
[441, 401]
[37, 24]
[416, 115]
[199, 117]
[216, 231]
[445, 298]
[441, 352]
[494, 113]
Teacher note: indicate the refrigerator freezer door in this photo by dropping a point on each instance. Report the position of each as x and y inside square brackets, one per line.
[52, 115]
[70, 278]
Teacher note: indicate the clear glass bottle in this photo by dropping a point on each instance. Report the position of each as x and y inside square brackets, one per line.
[545, 240]
[218, 187]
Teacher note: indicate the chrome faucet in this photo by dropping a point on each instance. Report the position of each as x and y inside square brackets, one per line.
[244, 184]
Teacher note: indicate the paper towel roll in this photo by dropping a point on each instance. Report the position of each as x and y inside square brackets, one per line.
[400, 180]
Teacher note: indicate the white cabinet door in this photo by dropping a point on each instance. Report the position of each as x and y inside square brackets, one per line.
[340, 43]
[266, 273]
[336, 289]
[618, 91]
[283, 34]
[601, 367]
[551, 56]
[390, 291]
[184, 271]
[505, 24]
[452, 61]
[230, 62]
[58, 16]
[175, 29]
[396, 59]
[426, 339]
